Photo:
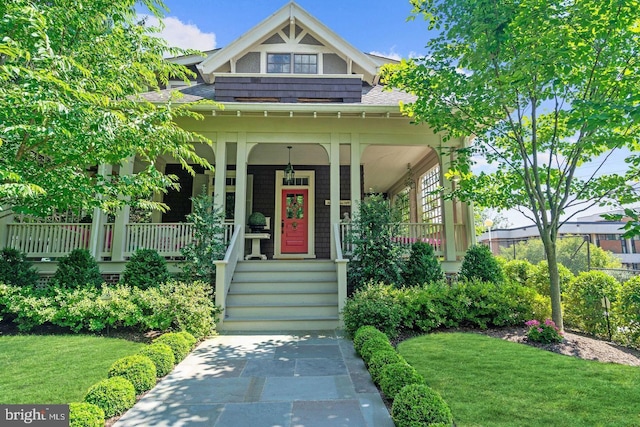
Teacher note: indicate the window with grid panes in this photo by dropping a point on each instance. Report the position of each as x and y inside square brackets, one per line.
[305, 64]
[403, 205]
[430, 200]
[279, 63]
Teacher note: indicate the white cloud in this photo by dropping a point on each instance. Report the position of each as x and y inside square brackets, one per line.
[180, 34]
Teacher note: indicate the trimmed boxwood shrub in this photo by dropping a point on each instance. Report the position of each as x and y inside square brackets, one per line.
[138, 369]
[77, 270]
[114, 396]
[162, 357]
[15, 269]
[373, 345]
[420, 405]
[395, 376]
[191, 340]
[145, 269]
[177, 343]
[374, 305]
[379, 360]
[363, 334]
[480, 264]
[83, 414]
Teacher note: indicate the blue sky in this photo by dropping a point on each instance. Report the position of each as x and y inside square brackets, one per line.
[372, 26]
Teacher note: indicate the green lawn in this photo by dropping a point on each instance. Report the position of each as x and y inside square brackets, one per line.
[491, 382]
[56, 368]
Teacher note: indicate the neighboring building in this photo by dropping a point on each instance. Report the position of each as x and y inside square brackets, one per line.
[604, 234]
[296, 96]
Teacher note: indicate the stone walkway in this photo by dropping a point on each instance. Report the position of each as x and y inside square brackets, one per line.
[284, 380]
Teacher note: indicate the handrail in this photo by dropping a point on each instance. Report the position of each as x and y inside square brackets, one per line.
[225, 269]
[341, 269]
[337, 241]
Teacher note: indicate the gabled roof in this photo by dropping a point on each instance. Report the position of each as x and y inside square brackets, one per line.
[291, 13]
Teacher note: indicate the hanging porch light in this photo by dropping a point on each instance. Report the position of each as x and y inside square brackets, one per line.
[289, 173]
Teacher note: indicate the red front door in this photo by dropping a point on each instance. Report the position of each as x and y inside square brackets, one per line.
[295, 222]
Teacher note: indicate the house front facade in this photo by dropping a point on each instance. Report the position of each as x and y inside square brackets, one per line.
[300, 129]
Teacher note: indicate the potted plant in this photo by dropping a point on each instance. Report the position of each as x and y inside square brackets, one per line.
[257, 222]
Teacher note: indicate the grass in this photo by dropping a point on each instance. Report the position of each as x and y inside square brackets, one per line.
[56, 369]
[491, 382]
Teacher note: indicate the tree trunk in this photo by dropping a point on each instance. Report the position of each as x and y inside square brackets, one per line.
[554, 278]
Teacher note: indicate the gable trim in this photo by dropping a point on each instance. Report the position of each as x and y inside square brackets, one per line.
[291, 14]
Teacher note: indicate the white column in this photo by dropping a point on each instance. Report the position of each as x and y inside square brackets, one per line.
[334, 187]
[240, 212]
[356, 178]
[97, 221]
[122, 218]
[448, 208]
[219, 190]
[158, 196]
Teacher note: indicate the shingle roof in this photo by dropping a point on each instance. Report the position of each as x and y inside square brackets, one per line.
[371, 95]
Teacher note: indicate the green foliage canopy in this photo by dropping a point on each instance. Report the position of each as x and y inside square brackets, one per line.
[70, 72]
[571, 252]
[544, 87]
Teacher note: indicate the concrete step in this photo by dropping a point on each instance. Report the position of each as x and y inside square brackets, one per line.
[282, 295]
[280, 310]
[282, 265]
[289, 324]
[284, 276]
[279, 287]
[235, 297]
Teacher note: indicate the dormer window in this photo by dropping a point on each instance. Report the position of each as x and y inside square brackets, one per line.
[282, 63]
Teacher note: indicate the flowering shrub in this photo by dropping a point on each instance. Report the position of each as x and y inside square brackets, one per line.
[546, 332]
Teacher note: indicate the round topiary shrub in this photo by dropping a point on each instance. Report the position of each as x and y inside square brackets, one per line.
[83, 414]
[15, 269]
[177, 343]
[113, 395]
[420, 405]
[145, 269]
[191, 340]
[395, 376]
[379, 360]
[77, 270]
[363, 334]
[138, 369]
[162, 357]
[480, 264]
[422, 267]
[374, 345]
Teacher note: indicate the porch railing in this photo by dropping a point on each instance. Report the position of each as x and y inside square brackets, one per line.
[166, 239]
[407, 235]
[44, 240]
[54, 240]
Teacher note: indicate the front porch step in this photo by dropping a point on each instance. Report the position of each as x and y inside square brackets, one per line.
[284, 324]
[282, 295]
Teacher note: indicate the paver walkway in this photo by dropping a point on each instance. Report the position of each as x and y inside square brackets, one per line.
[288, 380]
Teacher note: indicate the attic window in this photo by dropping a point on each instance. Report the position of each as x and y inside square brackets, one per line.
[302, 63]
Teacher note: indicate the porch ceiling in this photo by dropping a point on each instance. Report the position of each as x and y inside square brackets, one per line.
[385, 165]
